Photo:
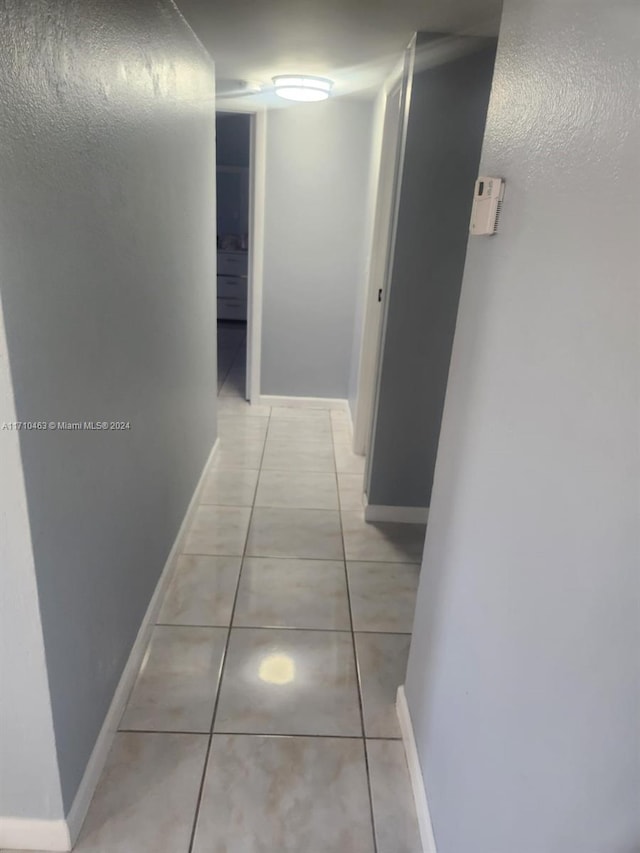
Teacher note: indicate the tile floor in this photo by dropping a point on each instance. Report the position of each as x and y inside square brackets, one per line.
[263, 719]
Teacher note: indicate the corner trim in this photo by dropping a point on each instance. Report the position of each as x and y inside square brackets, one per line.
[334, 403]
[97, 760]
[415, 773]
[25, 833]
[400, 514]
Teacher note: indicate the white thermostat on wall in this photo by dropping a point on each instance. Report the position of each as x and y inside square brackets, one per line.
[487, 201]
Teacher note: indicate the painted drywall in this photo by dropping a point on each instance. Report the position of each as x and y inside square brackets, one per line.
[314, 262]
[25, 706]
[107, 270]
[443, 142]
[524, 672]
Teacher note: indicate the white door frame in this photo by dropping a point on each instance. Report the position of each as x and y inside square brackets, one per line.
[257, 192]
[255, 270]
[381, 255]
[378, 243]
[405, 104]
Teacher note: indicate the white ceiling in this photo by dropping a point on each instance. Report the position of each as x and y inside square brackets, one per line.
[354, 42]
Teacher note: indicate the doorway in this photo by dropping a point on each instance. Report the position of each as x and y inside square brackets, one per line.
[233, 162]
[240, 340]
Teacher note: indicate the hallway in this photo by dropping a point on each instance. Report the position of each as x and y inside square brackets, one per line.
[274, 663]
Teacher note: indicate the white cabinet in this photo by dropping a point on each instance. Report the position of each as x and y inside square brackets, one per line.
[232, 286]
[232, 263]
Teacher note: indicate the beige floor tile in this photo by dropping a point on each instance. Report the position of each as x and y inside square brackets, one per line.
[383, 596]
[292, 594]
[383, 541]
[239, 452]
[394, 812]
[240, 426]
[229, 487]
[201, 591]
[351, 492]
[290, 795]
[382, 664]
[298, 456]
[297, 490]
[284, 429]
[176, 688]
[311, 533]
[347, 462]
[234, 406]
[300, 414]
[289, 682]
[218, 530]
[147, 796]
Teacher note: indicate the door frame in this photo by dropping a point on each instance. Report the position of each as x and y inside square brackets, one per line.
[380, 267]
[377, 248]
[408, 67]
[255, 254]
[257, 194]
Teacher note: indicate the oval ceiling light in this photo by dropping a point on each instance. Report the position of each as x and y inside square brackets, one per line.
[300, 87]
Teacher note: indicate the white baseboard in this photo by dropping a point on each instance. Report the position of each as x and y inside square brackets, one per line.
[23, 833]
[415, 773]
[305, 402]
[401, 514]
[95, 765]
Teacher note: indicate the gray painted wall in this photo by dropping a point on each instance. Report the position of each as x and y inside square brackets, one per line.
[444, 138]
[107, 269]
[314, 265]
[524, 672]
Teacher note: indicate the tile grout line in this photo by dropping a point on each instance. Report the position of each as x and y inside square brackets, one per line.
[355, 657]
[281, 735]
[281, 557]
[281, 627]
[224, 652]
[222, 668]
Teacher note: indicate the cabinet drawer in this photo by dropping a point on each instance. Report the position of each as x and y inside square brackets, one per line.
[232, 309]
[232, 286]
[232, 263]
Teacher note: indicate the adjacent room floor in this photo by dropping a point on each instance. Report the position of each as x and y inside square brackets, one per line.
[263, 718]
[232, 358]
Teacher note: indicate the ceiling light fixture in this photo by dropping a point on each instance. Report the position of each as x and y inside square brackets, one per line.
[300, 87]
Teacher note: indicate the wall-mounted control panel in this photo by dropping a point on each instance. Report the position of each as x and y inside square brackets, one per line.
[487, 201]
